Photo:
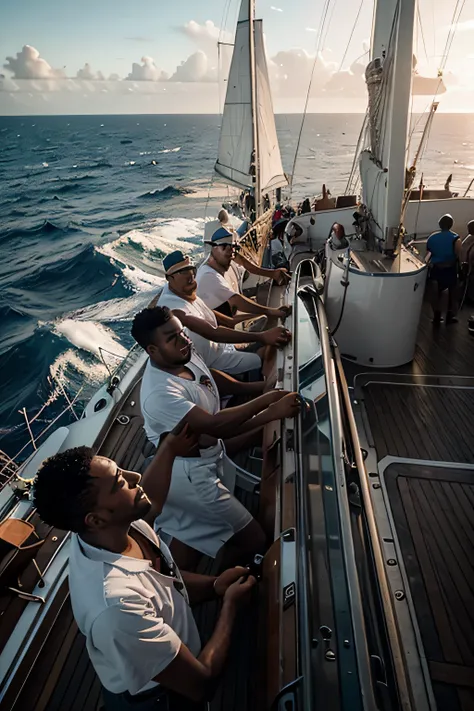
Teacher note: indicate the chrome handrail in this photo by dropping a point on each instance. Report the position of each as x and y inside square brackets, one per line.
[302, 590]
[337, 430]
[384, 587]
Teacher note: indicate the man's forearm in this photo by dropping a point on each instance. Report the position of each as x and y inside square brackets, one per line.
[214, 654]
[231, 322]
[227, 423]
[157, 477]
[253, 268]
[200, 587]
[244, 304]
[259, 420]
[227, 385]
[221, 334]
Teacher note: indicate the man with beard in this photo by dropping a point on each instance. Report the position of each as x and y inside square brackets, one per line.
[128, 597]
[221, 293]
[212, 333]
[200, 513]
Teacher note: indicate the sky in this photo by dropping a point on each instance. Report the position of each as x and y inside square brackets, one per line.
[115, 56]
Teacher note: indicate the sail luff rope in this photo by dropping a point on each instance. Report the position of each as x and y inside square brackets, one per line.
[318, 50]
[447, 48]
[351, 34]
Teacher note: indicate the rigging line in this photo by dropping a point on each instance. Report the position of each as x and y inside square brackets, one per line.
[452, 31]
[316, 56]
[351, 35]
[421, 30]
[447, 48]
[329, 23]
[356, 155]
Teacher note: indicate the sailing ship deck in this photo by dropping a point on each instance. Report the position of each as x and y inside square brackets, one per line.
[417, 423]
[56, 674]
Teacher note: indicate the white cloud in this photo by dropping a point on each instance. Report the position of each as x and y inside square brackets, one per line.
[205, 36]
[311, 29]
[88, 74]
[465, 26]
[290, 72]
[348, 82]
[276, 9]
[146, 71]
[29, 65]
[195, 68]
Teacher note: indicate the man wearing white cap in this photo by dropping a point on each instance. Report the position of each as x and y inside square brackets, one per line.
[216, 291]
[211, 340]
[200, 513]
[240, 264]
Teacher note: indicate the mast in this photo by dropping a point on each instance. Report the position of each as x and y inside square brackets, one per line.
[399, 120]
[389, 77]
[254, 107]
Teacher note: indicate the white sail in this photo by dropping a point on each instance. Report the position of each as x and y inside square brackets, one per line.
[271, 169]
[236, 143]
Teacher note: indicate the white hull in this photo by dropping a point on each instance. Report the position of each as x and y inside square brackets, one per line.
[380, 313]
[421, 219]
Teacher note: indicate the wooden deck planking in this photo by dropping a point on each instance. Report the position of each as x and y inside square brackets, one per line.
[438, 553]
[421, 422]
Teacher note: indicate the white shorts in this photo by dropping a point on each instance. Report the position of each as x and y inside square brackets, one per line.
[234, 361]
[199, 510]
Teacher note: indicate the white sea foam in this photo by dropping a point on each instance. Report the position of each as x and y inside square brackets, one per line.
[171, 150]
[143, 268]
[69, 361]
[89, 336]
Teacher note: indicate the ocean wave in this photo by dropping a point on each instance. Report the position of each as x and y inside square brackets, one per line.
[170, 191]
[117, 310]
[171, 150]
[90, 336]
[46, 227]
[80, 277]
[140, 252]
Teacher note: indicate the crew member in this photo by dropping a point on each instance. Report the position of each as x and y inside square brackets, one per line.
[212, 333]
[200, 512]
[216, 291]
[443, 251]
[128, 597]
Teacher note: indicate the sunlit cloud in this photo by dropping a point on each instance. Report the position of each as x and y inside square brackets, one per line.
[465, 26]
[275, 9]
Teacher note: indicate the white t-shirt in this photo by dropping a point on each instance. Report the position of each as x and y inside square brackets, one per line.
[210, 351]
[213, 288]
[166, 398]
[234, 276]
[134, 619]
[221, 356]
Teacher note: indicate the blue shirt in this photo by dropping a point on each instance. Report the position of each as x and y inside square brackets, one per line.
[441, 246]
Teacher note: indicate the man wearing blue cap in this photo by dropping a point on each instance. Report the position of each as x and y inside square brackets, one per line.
[211, 340]
[216, 291]
[200, 513]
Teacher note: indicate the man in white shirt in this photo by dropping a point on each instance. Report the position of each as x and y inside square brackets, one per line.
[128, 597]
[200, 513]
[212, 333]
[220, 293]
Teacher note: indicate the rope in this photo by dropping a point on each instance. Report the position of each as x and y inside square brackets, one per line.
[316, 57]
[421, 30]
[351, 35]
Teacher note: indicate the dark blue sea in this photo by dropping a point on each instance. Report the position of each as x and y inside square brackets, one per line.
[89, 205]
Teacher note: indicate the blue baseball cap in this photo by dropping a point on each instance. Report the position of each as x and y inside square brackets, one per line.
[175, 262]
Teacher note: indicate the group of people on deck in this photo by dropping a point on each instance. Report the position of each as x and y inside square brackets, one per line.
[128, 595]
[450, 260]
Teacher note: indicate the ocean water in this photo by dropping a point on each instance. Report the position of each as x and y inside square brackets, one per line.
[89, 205]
